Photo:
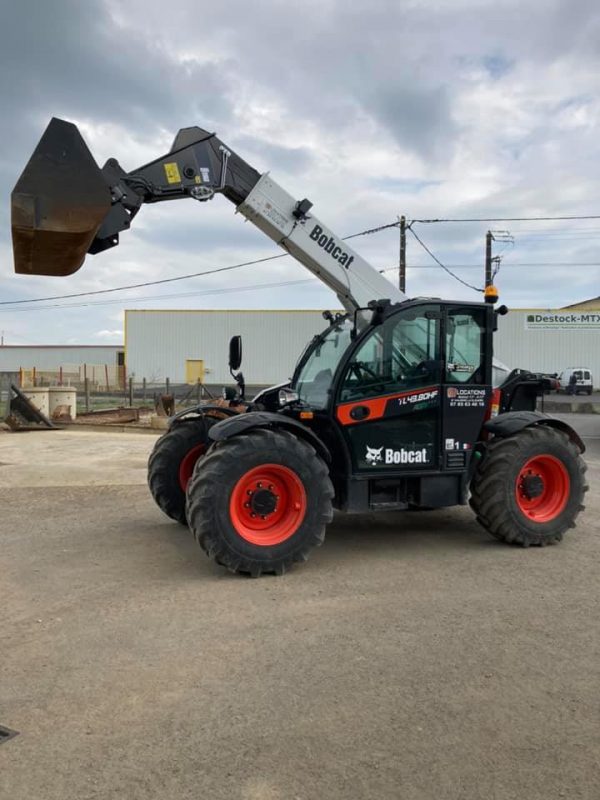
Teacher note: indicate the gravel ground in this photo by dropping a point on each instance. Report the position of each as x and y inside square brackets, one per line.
[412, 656]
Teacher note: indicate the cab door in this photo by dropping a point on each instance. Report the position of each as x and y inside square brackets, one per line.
[466, 390]
[388, 395]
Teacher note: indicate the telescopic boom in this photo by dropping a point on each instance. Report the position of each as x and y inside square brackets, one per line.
[64, 206]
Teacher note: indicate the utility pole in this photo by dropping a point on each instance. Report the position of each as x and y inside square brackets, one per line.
[489, 238]
[402, 264]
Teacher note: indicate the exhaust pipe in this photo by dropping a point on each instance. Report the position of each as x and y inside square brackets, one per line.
[58, 204]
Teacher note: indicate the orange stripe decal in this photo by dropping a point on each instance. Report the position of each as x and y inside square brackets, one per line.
[377, 405]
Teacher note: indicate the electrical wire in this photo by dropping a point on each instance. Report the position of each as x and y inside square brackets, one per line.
[373, 230]
[536, 264]
[144, 284]
[183, 277]
[509, 219]
[436, 259]
[224, 290]
[367, 232]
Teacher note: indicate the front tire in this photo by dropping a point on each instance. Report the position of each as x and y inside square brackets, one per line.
[260, 501]
[172, 463]
[529, 488]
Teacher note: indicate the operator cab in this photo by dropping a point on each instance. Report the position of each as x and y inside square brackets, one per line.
[409, 391]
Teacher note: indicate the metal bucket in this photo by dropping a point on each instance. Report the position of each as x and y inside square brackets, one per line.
[58, 204]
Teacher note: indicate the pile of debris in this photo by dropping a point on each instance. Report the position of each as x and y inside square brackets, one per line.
[23, 414]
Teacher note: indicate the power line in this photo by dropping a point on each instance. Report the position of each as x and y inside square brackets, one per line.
[509, 219]
[552, 231]
[367, 232]
[223, 290]
[504, 265]
[436, 259]
[373, 230]
[144, 284]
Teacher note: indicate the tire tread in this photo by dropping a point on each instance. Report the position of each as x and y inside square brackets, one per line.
[496, 468]
[206, 483]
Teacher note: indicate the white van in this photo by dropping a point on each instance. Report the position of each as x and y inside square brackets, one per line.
[583, 377]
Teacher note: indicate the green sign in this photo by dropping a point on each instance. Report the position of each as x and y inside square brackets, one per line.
[563, 320]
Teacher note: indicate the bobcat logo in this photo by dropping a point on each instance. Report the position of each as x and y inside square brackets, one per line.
[373, 455]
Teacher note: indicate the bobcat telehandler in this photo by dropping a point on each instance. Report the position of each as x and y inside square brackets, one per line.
[391, 407]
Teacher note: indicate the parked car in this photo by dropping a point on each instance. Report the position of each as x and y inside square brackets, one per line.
[576, 379]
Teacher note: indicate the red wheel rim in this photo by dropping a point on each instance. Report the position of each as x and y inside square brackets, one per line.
[187, 464]
[542, 488]
[268, 504]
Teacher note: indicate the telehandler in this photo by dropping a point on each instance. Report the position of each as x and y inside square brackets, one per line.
[392, 407]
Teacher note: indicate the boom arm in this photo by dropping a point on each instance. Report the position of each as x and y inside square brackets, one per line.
[64, 206]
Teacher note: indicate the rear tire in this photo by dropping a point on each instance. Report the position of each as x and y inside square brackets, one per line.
[529, 488]
[172, 462]
[260, 501]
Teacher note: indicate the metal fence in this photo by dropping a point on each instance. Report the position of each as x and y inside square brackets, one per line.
[101, 377]
[146, 394]
[114, 392]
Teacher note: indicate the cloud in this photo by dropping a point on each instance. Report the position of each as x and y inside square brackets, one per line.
[114, 335]
[370, 110]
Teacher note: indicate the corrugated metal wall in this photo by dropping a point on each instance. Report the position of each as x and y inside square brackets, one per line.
[546, 350]
[12, 357]
[159, 342]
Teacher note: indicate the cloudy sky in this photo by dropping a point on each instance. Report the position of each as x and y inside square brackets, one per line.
[428, 108]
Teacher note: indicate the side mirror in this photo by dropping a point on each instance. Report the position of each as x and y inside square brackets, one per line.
[235, 352]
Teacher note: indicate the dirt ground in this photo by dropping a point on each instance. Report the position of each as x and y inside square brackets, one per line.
[411, 657]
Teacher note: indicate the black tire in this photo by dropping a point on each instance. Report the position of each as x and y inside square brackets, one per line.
[220, 475]
[165, 462]
[494, 491]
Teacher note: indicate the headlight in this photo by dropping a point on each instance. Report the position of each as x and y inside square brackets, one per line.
[287, 396]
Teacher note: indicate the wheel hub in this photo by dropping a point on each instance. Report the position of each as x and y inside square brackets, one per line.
[542, 488]
[263, 501]
[532, 486]
[268, 504]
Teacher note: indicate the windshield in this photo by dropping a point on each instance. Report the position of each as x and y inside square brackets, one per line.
[316, 373]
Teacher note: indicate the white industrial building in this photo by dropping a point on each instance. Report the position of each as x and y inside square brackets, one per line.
[163, 344]
[102, 365]
[52, 357]
[184, 345]
[550, 340]
[169, 344]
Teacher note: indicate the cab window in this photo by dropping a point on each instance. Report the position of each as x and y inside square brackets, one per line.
[402, 353]
[315, 377]
[465, 346]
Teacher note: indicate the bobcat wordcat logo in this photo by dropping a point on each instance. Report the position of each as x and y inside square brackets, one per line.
[376, 455]
[328, 244]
